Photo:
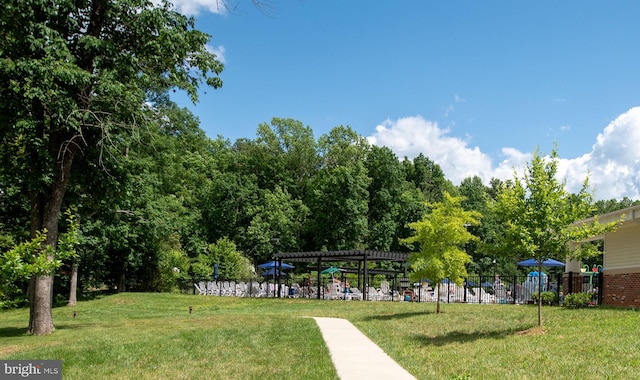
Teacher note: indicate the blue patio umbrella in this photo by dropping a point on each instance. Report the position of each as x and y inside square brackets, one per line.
[273, 273]
[545, 263]
[471, 284]
[486, 284]
[274, 264]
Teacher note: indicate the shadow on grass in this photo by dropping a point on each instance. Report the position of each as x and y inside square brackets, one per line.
[11, 332]
[464, 337]
[390, 317]
[87, 296]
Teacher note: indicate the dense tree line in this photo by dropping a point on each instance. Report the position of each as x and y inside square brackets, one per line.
[174, 202]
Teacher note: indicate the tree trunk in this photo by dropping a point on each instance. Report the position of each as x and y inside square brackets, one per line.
[40, 303]
[540, 294]
[73, 284]
[438, 300]
[45, 212]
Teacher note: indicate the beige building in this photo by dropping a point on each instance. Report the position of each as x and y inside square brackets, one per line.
[621, 260]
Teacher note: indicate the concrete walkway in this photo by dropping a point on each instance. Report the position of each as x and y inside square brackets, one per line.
[355, 356]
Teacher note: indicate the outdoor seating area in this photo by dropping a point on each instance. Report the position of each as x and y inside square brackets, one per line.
[246, 289]
[480, 292]
[267, 289]
[332, 283]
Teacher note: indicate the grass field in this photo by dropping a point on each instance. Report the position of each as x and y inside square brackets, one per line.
[153, 336]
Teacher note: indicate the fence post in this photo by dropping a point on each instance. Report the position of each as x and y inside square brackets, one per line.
[600, 287]
[464, 288]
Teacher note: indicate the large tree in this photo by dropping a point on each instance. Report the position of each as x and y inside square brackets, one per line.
[286, 155]
[75, 73]
[428, 177]
[385, 192]
[276, 224]
[339, 202]
[538, 212]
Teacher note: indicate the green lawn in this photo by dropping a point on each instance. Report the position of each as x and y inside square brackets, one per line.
[153, 336]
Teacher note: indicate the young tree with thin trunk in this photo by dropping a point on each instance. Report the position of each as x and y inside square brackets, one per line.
[538, 212]
[440, 238]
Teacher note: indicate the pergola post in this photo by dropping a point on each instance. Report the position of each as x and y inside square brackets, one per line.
[277, 274]
[360, 282]
[365, 295]
[319, 280]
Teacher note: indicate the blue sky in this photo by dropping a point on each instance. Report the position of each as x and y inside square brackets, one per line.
[474, 85]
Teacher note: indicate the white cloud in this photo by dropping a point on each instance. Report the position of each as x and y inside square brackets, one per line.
[193, 7]
[613, 165]
[614, 162]
[411, 136]
[218, 51]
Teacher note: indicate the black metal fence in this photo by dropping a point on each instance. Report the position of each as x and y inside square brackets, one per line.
[586, 282]
[476, 289]
[487, 289]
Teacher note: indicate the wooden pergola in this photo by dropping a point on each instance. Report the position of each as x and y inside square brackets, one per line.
[361, 257]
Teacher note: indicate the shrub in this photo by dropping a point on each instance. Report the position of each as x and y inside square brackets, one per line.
[577, 300]
[548, 298]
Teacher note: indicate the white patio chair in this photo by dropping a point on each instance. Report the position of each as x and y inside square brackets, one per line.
[264, 290]
[241, 288]
[271, 290]
[201, 288]
[333, 292]
[212, 288]
[386, 293]
[255, 289]
[224, 288]
[372, 294]
[232, 288]
[353, 294]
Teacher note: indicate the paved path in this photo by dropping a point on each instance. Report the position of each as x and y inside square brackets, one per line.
[355, 356]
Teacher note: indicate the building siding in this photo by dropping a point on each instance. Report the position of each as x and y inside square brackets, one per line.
[621, 265]
[622, 248]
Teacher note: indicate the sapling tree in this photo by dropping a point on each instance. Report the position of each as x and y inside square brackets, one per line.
[439, 240]
[538, 212]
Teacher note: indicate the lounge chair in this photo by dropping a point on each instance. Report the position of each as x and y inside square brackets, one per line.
[201, 288]
[355, 294]
[386, 293]
[213, 289]
[333, 292]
